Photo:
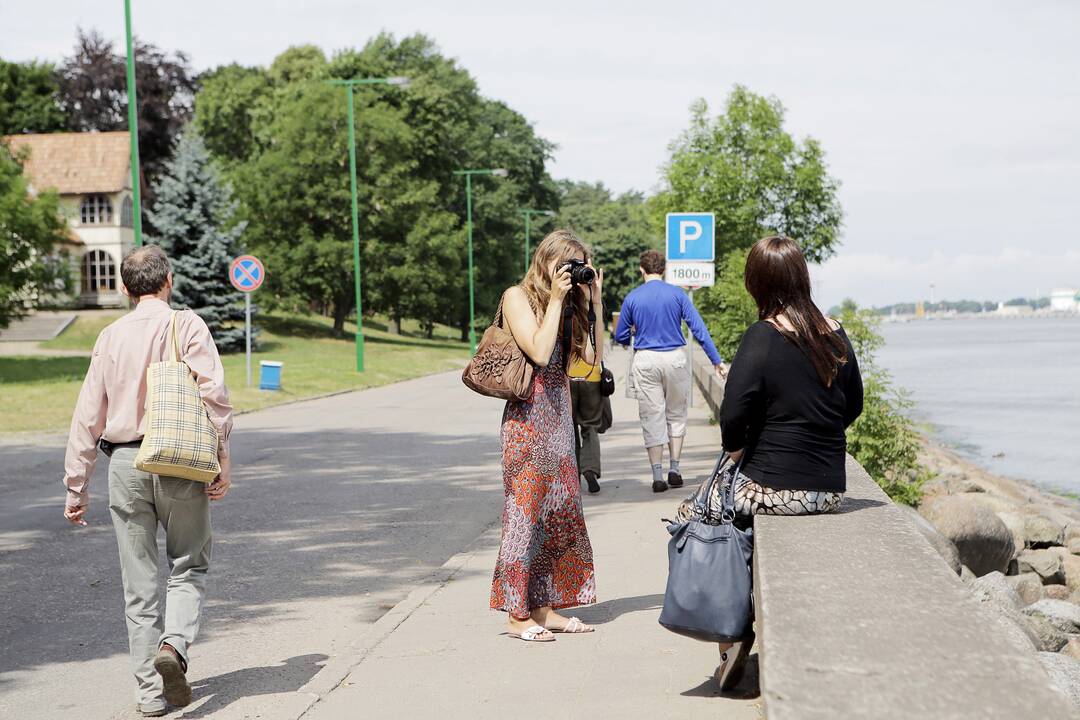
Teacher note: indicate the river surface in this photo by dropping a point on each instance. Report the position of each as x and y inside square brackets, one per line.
[1004, 393]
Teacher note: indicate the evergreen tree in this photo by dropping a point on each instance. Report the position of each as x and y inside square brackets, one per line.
[193, 213]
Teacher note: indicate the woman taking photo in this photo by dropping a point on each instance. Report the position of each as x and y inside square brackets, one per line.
[545, 559]
[792, 390]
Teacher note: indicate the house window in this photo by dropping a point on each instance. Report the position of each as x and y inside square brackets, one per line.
[96, 210]
[127, 213]
[98, 272]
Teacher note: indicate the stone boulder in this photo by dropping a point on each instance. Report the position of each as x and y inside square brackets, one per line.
[1028, 585]
[945, 548]
[1042, 532]
[1063, 615]
[1071, 564]
[1072, 648]
[1064, 674]
[1023, 632]
[1048, 637]
[994, 503]
[1015, 522]
[994, 587]
[1074, 546]
[980, 537]
[1047, 564]
[1057, 592]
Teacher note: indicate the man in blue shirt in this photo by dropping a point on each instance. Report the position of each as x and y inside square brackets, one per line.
[654, 313]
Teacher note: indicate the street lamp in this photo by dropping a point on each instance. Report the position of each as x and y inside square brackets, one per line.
[400, 82]
[497, 172]
[133, 129]
[529, 213]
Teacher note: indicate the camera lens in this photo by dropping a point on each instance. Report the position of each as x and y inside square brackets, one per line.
[582, 274]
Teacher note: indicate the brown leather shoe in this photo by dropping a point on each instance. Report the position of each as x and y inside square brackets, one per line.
[172, 669]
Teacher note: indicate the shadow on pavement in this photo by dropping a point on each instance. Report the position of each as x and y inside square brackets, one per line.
[269, 680]
[312, 514]
[605, 612]
[747, 689]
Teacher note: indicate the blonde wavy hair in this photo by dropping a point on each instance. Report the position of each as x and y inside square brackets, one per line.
[555, 249]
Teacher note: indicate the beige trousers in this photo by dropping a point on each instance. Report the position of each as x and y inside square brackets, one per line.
[138, 503]
[662, 383]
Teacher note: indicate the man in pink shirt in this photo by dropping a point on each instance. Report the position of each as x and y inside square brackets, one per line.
[110, 414]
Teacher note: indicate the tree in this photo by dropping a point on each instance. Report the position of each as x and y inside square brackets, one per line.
[30, 229]
[883, 439]
[617, 229]
[29, 98]
[743, 166]
[727, 307]
[194, 219]
[93, 95]
[283, 139]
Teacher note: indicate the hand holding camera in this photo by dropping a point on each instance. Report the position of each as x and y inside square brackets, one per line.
[585, 277]
[561, 283]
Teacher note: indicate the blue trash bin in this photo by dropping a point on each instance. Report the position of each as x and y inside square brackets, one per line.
[270, 375]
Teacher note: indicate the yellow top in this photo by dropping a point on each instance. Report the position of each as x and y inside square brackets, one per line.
[581, 370]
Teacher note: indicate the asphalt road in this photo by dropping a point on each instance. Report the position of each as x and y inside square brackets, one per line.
[339, 507]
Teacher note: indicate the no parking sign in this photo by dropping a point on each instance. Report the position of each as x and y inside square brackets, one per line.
[246, 273]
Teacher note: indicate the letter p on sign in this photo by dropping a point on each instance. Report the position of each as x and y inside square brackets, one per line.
[691, 237]
[688, 230]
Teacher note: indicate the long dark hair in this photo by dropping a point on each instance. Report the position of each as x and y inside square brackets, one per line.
[777, 278]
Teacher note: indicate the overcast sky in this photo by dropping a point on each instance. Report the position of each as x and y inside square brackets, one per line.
[954, 127]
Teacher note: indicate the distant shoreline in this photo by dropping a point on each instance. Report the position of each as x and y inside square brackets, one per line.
[1036, 315]
[950, 466]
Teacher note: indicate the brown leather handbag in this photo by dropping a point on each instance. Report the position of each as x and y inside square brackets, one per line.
[499, 369]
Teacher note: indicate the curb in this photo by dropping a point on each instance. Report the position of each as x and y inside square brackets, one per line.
[339, 668]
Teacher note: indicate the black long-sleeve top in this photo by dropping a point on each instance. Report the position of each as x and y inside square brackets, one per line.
[775, 404]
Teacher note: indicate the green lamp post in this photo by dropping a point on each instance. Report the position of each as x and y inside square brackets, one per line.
[528, 213]
[498, 172]
[133, 129]
[348, 84]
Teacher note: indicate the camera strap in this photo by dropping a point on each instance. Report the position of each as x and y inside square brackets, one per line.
[568, 333]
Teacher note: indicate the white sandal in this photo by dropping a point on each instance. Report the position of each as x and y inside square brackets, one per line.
[573, 627]
[534, 633]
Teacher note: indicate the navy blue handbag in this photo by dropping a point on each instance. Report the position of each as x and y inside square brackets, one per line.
[709, 592]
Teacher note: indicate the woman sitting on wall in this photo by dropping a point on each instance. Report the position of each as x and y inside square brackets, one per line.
[792, 390]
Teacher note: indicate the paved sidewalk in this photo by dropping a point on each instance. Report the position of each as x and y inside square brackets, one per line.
[442, 652]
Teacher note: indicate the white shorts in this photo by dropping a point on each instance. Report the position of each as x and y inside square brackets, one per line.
[662, 383]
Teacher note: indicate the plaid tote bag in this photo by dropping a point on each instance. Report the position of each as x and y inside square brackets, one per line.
[180, 440]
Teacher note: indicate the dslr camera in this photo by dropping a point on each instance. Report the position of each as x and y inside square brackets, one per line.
[580, 273]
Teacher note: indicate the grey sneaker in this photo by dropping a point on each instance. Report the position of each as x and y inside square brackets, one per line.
[152, 710]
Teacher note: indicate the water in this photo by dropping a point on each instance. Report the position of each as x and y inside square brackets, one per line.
[1004, 393]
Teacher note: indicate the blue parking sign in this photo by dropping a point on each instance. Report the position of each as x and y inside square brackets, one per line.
[691, 236]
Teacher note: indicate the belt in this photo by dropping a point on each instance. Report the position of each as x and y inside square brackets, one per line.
[110, 447]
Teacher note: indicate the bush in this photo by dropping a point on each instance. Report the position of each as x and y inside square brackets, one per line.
[883, 439]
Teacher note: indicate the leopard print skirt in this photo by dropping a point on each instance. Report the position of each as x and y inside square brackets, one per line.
[753, 499]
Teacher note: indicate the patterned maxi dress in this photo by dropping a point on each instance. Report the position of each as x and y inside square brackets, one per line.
[545, 557]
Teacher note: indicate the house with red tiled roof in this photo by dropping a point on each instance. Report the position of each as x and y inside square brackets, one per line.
[91, 172]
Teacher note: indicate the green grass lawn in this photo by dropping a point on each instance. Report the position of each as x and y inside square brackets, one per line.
[38, 393]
